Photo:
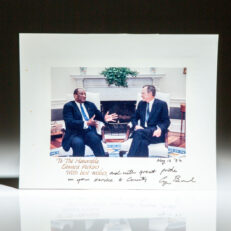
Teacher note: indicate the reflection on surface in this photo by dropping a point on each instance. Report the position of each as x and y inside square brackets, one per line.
[144, 224]
[131, 210]
[117, 210]
[9, 209]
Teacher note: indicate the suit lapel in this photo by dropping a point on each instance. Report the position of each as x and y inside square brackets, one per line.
[88, 108]
[142, 113]
[76, 108]
[78, 112]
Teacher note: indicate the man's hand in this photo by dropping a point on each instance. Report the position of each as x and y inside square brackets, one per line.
[92, 122]
[157, 132]
[137, 127]
[110, 117]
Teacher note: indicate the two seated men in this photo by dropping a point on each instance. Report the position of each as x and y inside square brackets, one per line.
[81, 117]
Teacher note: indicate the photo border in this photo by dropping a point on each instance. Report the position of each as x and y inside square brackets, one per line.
[40, 52]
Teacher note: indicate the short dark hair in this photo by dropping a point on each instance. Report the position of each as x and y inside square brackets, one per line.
[76, 91]
[150, 88]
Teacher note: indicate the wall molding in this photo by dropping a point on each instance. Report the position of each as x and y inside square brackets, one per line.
[94, 81]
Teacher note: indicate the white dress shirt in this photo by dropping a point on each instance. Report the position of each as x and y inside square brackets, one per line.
[150, 109]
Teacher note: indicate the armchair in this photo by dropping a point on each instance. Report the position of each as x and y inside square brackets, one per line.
[155, 150]
[92, 97]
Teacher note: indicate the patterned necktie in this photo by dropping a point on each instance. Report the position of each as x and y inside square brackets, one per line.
[84, 114]
[147, 113]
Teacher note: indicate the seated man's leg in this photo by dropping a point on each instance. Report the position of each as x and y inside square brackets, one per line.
[94, 142]
[156, 140]
[140, 142]
[78, 146]
[143, 148]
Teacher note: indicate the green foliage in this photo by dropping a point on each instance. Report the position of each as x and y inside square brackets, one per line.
[118, 75]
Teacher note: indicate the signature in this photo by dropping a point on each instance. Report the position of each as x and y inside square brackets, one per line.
[178, 179]
[163, 181]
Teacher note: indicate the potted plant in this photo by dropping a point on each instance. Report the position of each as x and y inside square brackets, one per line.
[118, 75]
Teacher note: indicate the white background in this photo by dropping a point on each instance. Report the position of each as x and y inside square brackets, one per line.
[40, 52]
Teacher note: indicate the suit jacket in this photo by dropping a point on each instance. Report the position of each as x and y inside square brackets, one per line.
[74, 121]
[158, 117]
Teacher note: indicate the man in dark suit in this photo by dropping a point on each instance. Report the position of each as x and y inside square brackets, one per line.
[79, 116]
[154, 122]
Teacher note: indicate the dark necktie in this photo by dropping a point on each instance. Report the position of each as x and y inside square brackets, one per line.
[147, 113]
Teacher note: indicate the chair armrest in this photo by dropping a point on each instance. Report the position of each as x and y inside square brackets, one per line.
[127, 132]
[166, 139]
[63, 130]
[103, 133]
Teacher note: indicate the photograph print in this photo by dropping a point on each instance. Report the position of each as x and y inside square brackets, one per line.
[118, 112]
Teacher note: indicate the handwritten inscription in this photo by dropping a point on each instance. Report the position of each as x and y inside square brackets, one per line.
[116, 173]
[103, 180]
[165, 172]
[131, 179]
[68, 166]
[82, 179]
[71, 172]
[77, 160]
[163, 181]
[178, 179]
[129, 172]
[142, 172]
[100, 172]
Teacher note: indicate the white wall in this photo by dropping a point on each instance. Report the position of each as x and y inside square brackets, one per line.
[61, 82]
[174, 82]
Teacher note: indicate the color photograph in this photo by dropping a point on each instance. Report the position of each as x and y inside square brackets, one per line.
[118, 112]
